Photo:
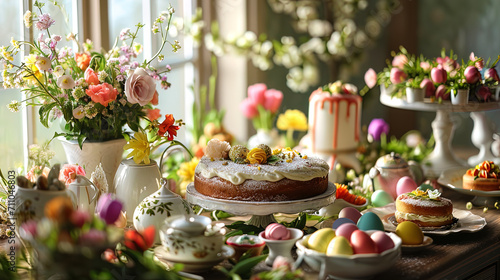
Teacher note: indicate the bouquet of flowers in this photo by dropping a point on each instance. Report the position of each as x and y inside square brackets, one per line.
[261, 105]
[95, 94]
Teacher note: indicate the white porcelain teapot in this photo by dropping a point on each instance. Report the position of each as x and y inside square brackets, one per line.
[390, 168]
[155, 208]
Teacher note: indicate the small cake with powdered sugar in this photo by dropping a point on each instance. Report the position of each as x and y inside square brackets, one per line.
[424, 208]
[260, 174]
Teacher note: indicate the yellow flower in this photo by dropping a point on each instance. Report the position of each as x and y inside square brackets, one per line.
[257, 155]
[186, 174]
[292, 119]
[140, 148]
[31, 64]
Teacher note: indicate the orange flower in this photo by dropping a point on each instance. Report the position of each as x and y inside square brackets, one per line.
[82, 60]
[103, 93]
[59, 209]
[154, 101]
[167, 126]
[140, 241]
[153, 114]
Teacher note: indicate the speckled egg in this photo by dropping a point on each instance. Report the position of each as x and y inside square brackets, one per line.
[238, 153]
[362, 243]
[381, 198]
[350, 213]
[405, 184]
[370, 221]
[339, 246]
[341, 221]
[410, 233]
[383, 241]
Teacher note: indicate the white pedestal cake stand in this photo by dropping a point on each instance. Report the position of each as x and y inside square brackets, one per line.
[262, 212]
[442, 157]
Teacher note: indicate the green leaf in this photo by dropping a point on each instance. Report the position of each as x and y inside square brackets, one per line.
[44, 113]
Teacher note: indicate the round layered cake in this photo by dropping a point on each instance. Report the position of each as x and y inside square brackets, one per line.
[424, 208]
[260, 175]
[483, 177]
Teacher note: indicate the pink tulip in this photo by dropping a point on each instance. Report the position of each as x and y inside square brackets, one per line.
[429, 87]
[491, 74]
[273, 100]
[249, 108]
[79, 218]
[478, 62]
[472, 75]
[91, 77]
[484, 93]
[399, 61]
[397, 75]
[425, 65]
[438, 75]
[371, 78]
[30, 228]
[447, 63]
[442, 93]
[257, 93]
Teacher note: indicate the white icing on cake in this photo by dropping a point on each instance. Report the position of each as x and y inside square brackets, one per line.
[298, 169]
[423, 218]
[334, 121]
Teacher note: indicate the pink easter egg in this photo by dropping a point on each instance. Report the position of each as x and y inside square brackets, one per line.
[405, 184]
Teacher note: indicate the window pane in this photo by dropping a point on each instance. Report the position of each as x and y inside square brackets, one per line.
[125, 14]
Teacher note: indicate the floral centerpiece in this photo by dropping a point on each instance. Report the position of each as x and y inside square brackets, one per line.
[95, 94]
[261, 105]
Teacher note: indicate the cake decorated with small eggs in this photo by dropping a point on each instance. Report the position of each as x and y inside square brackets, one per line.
[259, 174]
[426, 208]
[483, 177]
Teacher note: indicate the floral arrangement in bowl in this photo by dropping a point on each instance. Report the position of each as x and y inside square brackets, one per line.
[94, 94]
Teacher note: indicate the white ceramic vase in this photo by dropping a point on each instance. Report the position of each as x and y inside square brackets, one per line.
[415, 95]
[459, 96]
[268, 137]
[157, 207]
[108, 153]
[134, 182]
[86, 193]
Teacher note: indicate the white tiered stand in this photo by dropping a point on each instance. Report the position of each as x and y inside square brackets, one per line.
[442, 157]
[262, 212]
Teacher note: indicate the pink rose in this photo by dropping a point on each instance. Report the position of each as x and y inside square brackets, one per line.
[273, 100]
[371, 78]
[397, 76]
[103, 93]
[478, 62]
[257, 93]
[399, 61]
[472, 75]
[447, 63]
[491, 74]
[91, 77]
[438, 75]
[140, 87]
[69, 171]
[429, 87]
[425, 65]
[442, 92]
[249, 108]
[484, 93]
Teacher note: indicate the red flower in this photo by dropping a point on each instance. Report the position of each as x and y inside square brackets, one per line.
[167, 126]
[140, 241]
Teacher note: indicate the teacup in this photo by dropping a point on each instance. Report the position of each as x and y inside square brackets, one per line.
[30, 203]
[192, 238]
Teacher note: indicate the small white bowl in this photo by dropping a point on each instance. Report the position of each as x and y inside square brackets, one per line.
[353, 266]
[281, 247]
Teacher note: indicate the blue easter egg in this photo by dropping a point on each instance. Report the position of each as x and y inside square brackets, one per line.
[341, 221]
[370, 221]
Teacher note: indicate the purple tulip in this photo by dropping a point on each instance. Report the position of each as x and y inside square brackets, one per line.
[442, 92]
[377, 127]
[108, 208]
[429, 87]
[484, 93]
[491, 74]
[472, 75]
[438, 75]
[397, 75]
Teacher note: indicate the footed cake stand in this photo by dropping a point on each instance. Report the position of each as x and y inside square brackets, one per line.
[262, 212]
[442, 157]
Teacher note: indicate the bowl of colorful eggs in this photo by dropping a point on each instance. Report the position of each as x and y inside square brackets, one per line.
[358, 248]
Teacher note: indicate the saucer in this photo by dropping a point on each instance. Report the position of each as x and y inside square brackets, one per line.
[415, 248]
[194, 266]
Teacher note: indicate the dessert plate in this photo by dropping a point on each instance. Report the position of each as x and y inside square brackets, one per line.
[452, 179]
[415, 248]
[467, 222]
[195, 266]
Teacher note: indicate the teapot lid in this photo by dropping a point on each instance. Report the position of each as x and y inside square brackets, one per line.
[392, 160]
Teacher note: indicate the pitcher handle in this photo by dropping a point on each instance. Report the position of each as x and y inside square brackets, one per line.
[96, 189]
[174, 145]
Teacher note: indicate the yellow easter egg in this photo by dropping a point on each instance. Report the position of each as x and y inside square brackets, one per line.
[410, 233]
[320, 239]
[339, 246]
